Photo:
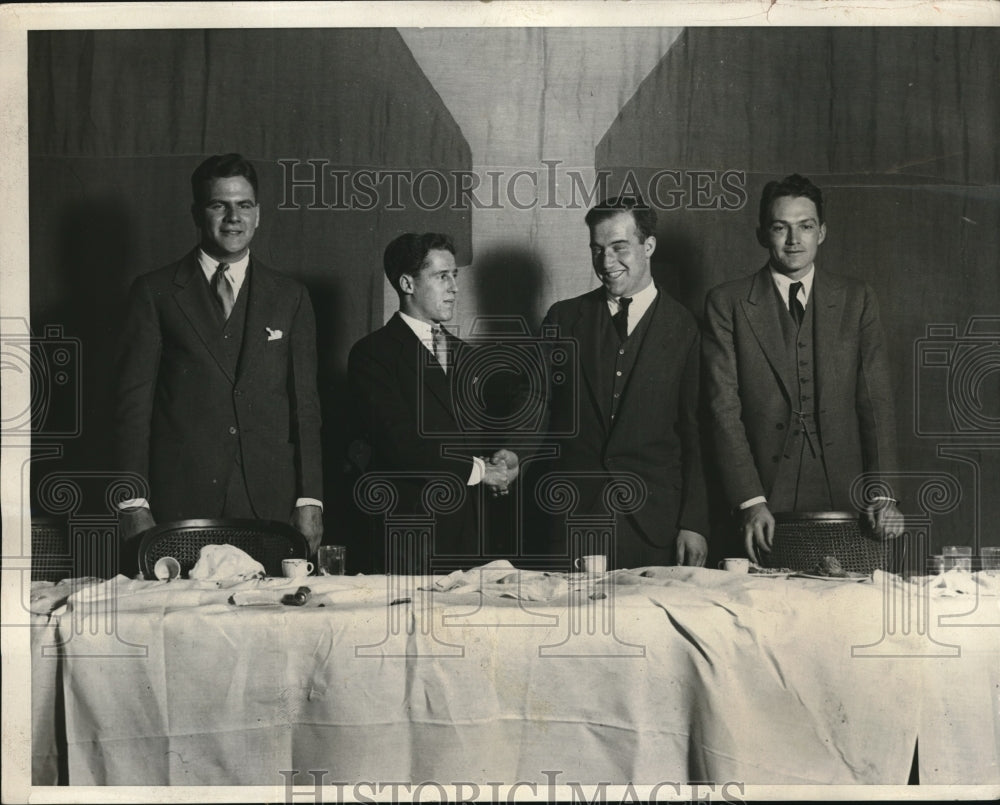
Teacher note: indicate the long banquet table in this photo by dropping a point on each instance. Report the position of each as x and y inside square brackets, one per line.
[496, 675]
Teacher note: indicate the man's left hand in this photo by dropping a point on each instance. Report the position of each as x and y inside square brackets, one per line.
[885, 520]
[309, 521]
[692, 548]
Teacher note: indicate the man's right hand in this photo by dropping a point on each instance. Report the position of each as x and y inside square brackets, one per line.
[134, 521]
[496, 478]
[758, 529]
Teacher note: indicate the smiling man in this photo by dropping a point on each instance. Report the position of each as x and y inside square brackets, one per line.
[635, 414]
[217, 403]
[796, 377]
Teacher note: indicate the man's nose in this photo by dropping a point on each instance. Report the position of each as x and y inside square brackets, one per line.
[609, 259]
[453, 284]
[791, 235]
[232, 214]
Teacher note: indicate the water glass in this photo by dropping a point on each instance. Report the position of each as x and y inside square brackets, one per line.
[991, 560]
[957, 556]
[331, 560]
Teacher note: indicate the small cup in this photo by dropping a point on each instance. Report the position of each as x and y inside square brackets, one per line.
[596, 563]
[958, 557]
[167, 568]
[296, 568]
[735, 565]
[990, 559]
[331, 560]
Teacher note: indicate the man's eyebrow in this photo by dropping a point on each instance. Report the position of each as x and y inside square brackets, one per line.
[797, 221]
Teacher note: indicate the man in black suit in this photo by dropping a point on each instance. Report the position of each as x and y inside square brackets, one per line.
[407, 408]
[638, 394]
[217, 403]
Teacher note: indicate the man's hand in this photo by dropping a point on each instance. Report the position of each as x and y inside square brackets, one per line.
[692, 548]
[134, 521]
[508, 457]
[758, 529]
[885, 520]
[496, 477]
[308, 520]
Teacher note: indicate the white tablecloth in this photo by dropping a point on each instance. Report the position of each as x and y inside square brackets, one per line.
[682, 674]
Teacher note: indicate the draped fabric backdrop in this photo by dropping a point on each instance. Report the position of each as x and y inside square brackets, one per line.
[898, 126]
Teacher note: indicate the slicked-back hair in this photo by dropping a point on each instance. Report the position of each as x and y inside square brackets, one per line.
[221, 166]
[406, 254]
[795, 186]
[644, 215]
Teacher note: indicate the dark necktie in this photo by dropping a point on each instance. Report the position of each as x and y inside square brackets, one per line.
[794, 305]
[440, 346]
[620, 318]
[223, 289]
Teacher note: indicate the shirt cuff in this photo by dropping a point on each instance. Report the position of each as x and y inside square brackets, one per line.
[309, 502]
[478, 471]
[133, 503]
[746, 504]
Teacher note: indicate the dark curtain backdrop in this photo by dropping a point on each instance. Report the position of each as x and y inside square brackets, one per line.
[118, 120]
[899, 127]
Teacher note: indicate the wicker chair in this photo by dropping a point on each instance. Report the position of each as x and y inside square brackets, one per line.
[267, 541]
[50, 554]
[802, 539]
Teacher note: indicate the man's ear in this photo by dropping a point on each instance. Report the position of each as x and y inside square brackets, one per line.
[649, 244]
[822, 233]
[762, 238]
[405, 283]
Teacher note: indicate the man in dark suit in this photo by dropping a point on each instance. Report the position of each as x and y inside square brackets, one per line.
[796, 377]
[217, 404]
[638, 394]
[408, 409]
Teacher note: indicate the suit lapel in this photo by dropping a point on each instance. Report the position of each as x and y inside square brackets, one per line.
[761, 309]
[420, 367]
[197, 307]
[828, 294]
[588, 331]
[261, 289]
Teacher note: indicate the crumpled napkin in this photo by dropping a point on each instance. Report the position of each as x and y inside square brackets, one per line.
[500, 578]
[959, 582]
[225, 563]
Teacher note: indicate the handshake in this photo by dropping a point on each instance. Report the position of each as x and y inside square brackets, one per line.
[501, 470]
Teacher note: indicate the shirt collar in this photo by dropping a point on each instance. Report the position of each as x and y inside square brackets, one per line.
[783, 283]
[421, 329]
[237, 271]
[640, 303]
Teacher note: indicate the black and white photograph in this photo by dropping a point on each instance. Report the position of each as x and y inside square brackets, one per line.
[500, 401]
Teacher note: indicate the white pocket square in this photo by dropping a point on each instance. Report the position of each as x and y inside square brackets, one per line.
[273, 335]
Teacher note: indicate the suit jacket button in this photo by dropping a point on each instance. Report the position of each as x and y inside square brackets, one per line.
[237, 393]
[232, 429]
[780, 426]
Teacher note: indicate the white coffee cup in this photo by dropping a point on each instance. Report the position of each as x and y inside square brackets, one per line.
[735, 565]
[591, 564]
[167, 568]
[295, 568]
